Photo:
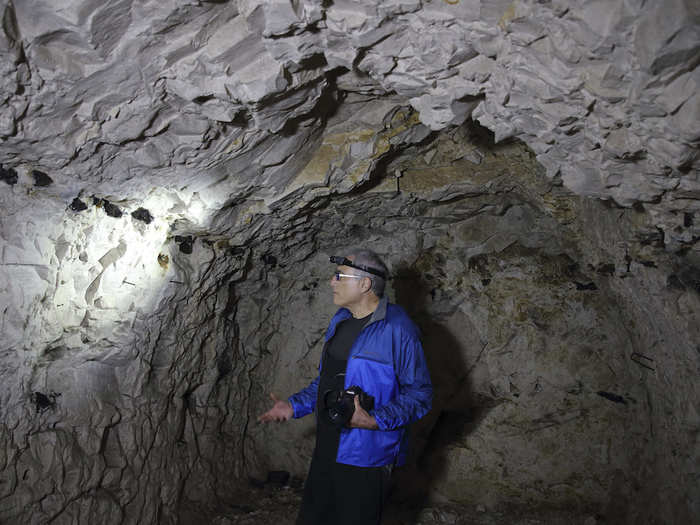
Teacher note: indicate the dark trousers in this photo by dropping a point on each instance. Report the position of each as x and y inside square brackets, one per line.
[337, 494]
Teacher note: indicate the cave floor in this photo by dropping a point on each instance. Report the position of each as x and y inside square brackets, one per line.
[276, 505]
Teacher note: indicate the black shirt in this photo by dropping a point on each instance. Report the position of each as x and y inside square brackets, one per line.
[333, 365]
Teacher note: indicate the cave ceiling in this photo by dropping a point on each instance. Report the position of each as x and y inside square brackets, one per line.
[204, 104]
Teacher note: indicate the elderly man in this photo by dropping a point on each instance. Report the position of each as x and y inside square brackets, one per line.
[373, 354]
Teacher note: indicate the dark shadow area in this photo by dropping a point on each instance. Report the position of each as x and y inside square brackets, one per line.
[456, 411]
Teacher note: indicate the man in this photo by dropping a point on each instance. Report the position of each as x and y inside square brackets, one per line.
[373, 345]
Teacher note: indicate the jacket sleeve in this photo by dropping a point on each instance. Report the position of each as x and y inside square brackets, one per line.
[304, 401]
[415, 395]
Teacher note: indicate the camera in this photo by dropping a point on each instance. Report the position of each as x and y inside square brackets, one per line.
[340, 404]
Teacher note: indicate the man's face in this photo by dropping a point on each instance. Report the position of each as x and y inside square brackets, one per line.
[348, 290]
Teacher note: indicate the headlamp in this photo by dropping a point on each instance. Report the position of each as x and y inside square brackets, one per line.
[344, 261]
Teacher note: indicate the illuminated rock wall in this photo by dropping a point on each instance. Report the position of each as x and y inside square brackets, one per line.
[174, 176]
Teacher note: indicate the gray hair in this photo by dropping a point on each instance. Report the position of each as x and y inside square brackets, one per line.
[371, 260]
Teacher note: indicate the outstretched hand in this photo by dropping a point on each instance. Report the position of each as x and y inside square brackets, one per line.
[361, 418]
[281, 411]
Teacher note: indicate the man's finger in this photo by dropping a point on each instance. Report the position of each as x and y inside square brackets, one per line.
[354, 420]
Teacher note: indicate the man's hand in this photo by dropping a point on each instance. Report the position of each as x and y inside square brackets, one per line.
[280, 411]
[361, 418]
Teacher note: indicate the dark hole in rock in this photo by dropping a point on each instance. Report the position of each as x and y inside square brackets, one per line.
[479, 263]
[202, 99]
[111, 209]
[310, 286]
[275, 479]
[606, 269]
[43, 401]
[41, 179]
[185, 243]
[9, 175]
[224, 365]
[628, 260]
[689, 276]
[268, 259]
[143, 215]
[687, 220]
[585, 286]
[674, 282]
[278, 477]
[612, 397]
[571, 269]
[652, 238]
[78, 205]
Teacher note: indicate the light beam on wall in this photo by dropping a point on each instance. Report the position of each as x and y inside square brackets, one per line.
[84, 278]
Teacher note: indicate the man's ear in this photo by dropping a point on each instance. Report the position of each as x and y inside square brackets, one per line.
[366, 284]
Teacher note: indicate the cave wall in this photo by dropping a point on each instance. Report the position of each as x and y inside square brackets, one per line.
[548, 390]
[552, 376]
[173, 177]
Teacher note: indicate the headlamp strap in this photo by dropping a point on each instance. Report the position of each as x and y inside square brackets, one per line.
[344, 261]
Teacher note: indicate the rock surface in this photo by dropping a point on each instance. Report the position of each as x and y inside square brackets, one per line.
[175, 174]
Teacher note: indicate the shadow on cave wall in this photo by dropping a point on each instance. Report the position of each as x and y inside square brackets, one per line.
[456, 410]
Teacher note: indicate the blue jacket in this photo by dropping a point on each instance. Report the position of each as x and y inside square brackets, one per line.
[387, 362]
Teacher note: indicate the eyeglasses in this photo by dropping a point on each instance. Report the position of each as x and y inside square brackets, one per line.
[338, 275]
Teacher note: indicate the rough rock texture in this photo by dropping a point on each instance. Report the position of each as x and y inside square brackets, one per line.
[173, 176]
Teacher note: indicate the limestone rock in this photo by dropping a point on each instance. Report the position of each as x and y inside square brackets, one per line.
[550, 255]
